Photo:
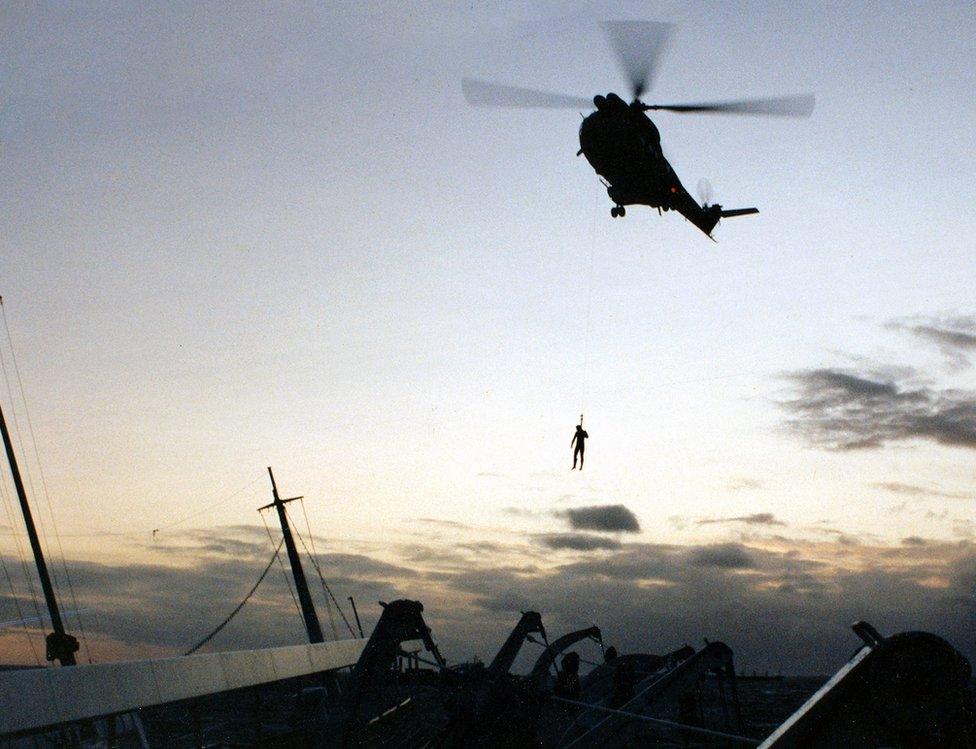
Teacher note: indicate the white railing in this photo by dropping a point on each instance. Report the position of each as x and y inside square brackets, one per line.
[37, 698]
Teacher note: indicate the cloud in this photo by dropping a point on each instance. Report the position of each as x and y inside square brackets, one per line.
[678, 522]
[162, 608]
[743, 483]
[964, 528]
[654, 597]
[783, 603]
[725, 556]
[914, 541]
[758, 518]
[576, 541]
[955, 336]
[603, 518]
[442, 523]
[841, 537]
[949, 338]
[896, 487]
[847, 411]
[913, 490]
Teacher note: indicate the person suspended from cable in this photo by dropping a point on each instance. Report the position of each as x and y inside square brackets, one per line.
[579, 440]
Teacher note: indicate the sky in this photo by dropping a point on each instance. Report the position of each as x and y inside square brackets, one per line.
[240, 235]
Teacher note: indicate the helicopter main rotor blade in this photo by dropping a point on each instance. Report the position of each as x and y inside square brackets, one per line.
[638, 46]
[484, 94]
[779, 106]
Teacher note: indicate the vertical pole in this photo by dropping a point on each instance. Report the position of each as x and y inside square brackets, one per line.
[312, 626]
[359, 624]
[60, 645]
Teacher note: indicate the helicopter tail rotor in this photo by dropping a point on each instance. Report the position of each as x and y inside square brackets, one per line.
[704, 190]
[714, 209]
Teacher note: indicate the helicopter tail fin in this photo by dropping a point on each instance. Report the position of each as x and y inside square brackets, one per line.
[738, 212]
[710, 214]
[704, 216]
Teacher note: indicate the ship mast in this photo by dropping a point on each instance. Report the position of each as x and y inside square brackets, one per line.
[312, 626]
[60, 645]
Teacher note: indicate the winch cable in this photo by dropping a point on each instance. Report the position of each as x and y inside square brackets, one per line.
[657, 721]
[239, 606]
[589, 304]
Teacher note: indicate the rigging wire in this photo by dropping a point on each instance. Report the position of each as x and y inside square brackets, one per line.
[648, 719]
[239, 606]
[209, 508]
[7, 506]
[325, 585]
[40, 470]
[20, 611]
[284, 574]
[25, 467]
[91, 533]
[311, 540]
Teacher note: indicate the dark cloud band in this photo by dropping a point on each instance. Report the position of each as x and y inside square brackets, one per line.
[847, 411]
[605, 518]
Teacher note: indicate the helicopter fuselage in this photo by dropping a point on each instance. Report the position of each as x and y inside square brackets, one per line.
[623, 146]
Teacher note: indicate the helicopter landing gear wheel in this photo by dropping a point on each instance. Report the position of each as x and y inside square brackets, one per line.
[621, 211]
[618, 210]
[613, 212]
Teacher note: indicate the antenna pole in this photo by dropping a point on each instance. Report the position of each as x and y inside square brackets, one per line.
[356, 614]
[312, 626]
[60, 645]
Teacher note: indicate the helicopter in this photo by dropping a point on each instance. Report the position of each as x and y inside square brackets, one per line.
[619, 139]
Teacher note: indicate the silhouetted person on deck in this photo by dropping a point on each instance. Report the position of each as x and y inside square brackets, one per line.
[567, 682]
[578, 440]
[623, 685]
[623, 679]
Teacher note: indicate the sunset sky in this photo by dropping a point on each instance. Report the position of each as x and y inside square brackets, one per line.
[242, 235]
